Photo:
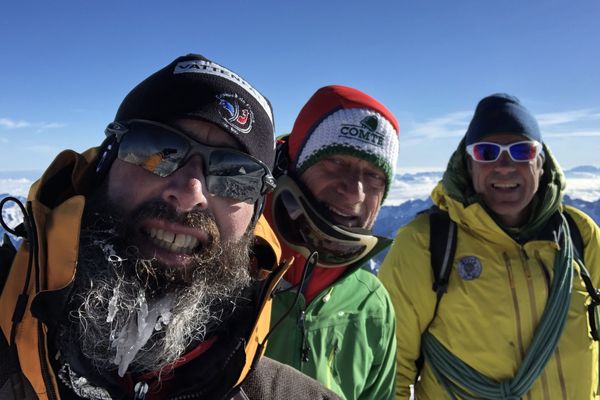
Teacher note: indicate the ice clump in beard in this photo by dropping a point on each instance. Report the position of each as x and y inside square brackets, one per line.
[132, 313]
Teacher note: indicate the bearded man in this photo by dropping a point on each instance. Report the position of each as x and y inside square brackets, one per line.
[137, 277]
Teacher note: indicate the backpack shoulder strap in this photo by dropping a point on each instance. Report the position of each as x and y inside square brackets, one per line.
[578, 250]
[442, 246]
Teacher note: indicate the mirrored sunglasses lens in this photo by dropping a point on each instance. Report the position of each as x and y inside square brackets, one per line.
[234, 175]
[299, 232]
[523, 151]
[486, 151]
[153, 148]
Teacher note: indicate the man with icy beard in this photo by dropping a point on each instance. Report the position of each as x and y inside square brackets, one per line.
[147, 269]
[119, 295]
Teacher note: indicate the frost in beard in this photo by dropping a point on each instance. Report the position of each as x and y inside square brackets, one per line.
[109, 251]
[134, 335]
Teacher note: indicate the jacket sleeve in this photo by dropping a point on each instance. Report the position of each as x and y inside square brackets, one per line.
[406, 273]
[381, 378]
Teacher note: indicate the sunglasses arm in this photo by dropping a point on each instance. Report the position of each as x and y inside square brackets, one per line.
[117, 130]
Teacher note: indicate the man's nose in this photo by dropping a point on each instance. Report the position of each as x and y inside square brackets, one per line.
[186, 187]
[351, 185]
[504, 163]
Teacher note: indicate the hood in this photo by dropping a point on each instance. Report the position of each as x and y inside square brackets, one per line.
[455, 194]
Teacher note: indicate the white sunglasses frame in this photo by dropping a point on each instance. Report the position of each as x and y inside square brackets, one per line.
[504, 148]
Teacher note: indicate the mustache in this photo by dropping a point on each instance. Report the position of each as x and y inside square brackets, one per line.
[195, 219]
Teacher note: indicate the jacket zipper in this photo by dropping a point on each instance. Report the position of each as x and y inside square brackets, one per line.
[139, 391]
[517, 311]
[535, 316]
[304, 350]
[330, 360]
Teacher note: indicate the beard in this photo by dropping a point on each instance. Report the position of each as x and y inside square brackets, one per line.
[133, 313]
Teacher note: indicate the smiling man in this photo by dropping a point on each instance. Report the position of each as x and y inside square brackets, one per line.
[334, 319]
[512, 316]
[137, 277]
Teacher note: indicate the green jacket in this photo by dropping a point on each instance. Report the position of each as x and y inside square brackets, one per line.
[344, 338]
[497, 292]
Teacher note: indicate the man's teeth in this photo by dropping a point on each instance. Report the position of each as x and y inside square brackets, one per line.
[505, 185]
[175, 242]
[336, 211]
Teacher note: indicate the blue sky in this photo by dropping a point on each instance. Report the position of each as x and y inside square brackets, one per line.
[66, 65]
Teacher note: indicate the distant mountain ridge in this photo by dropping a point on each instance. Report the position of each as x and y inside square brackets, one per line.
[589, 169]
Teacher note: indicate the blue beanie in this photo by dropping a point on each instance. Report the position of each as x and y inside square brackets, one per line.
[501, 113]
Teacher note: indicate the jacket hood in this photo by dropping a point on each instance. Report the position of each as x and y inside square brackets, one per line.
[455, 190]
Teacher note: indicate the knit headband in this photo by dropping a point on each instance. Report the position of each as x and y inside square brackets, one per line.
[343, 120]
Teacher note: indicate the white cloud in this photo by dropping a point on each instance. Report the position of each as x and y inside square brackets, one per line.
[52, 125]
[452, 125]
[449, 125]
[15, 187]
[43, 149]
[39, 126]
[571, 134]
[12, 124]
[566, 117]
[571, 123]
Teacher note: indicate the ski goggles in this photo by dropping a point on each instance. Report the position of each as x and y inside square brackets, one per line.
[519, 152]
[303, 229]
[162, 150]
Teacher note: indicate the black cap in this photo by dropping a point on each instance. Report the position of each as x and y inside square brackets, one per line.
[193, 86]
[502, 113]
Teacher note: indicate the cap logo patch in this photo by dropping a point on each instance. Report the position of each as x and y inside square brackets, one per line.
[366, 132]
[469, 268]
[236, 112]
[211, 68]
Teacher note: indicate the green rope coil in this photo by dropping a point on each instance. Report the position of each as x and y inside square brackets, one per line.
[462, 381]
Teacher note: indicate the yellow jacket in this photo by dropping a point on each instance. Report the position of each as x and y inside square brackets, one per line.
[56, 203]
[489, 321]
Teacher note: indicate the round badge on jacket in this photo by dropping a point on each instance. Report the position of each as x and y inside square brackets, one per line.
[469, 268]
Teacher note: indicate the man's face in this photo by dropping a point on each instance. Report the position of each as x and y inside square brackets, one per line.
[185, 190]
[506, 186]
[349, 187]
[161, 264]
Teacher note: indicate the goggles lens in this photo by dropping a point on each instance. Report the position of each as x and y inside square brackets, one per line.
[162, 150]
[490, 152]
[306, 231]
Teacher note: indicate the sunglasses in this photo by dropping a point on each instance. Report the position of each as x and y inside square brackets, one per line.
[519, 152]
[299, 225]
[162, 150]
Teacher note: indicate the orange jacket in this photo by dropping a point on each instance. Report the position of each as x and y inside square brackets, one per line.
[55, 206]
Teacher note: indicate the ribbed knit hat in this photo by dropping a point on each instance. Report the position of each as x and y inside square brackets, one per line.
[502, 113]
[195, 87]
[342, 120]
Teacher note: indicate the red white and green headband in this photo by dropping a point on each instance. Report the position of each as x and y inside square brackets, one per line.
[343, 120]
